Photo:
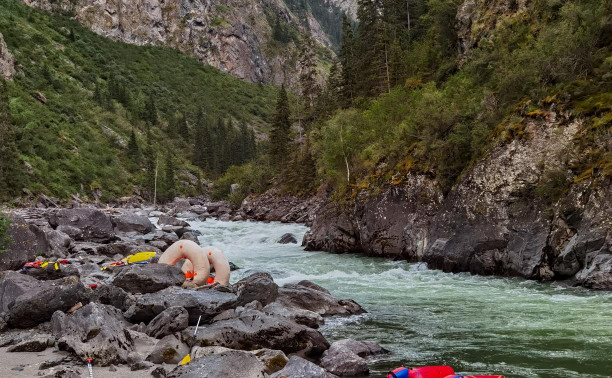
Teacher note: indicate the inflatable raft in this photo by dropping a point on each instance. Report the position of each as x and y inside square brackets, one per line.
[198, 261]
[432, 372]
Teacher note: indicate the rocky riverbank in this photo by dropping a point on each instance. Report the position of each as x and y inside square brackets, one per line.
[140, 318]
[506, 216]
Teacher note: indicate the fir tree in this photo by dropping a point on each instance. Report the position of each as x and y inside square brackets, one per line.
[133, 151]
[201, 142]
[11, 167]
[170, 177]
[150, 111]
[308, 73]
[150, 168]
[347, 61]
[279, 137]
[182, 128]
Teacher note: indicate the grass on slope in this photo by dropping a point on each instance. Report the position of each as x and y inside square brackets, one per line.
[71, 144]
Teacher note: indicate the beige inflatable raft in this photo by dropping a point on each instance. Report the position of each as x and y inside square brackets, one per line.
[197, 262]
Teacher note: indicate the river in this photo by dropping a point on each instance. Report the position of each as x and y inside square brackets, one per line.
[475, 324]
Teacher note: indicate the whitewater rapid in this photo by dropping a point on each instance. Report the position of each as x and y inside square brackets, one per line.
[476, 324]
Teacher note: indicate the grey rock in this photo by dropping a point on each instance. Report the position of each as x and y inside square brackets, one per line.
[598, 276]
[59, 243]
[231, 363]
[208, 303]
[273, 360]
[95, 331]
[166, 220]
[169, 350]
[92, 224]
[287, 239]
[28, 302]
[50, 273]
[112, 295]
[254, 329]
[132, 223]
[190, 236]
[27, 241]
[37, 343]
[148, 278]
[7, 62]
[305, 317]
[169, 321]
[140, 365]
[159, 372]
[345, 357]
[298, 367]
[256, 287]
[307, 298]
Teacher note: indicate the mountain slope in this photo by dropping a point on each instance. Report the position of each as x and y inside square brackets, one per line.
[77, 96]
[254, 41]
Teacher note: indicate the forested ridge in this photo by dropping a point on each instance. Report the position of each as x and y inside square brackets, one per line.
[418, 88]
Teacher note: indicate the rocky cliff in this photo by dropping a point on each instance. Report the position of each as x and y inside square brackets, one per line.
[495, 220]
[234, 36]
[7, 62]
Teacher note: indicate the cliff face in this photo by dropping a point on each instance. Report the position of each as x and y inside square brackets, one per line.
[234, 36]
[7, 62]
[492, 221]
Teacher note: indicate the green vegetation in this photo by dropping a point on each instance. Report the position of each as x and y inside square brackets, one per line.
[111, 108]
[5, 238]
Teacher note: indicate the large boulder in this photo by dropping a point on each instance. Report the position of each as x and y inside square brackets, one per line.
[306, 297]
[287, 239]
[169, 350]
[59, 243]
[112, 295]
[345, 358]
[256, 287]
[148, 278]
[171, 320]
[166, 220]
[230, 363]
[298, 367]
[300, 316]
[273, 360]
[84, 224]
[95, 331]
[254, 329]
[28, 301]
[129, 223]
[598, 276]
[206, 302]
[50, 272]
[26, 242]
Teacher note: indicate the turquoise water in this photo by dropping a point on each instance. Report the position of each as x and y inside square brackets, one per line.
[475, 324]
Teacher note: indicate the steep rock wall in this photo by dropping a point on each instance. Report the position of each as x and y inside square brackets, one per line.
[492, 222]
[7, 62]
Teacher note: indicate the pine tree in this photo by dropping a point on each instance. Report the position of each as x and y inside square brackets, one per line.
[11, 167]
[281, 125]
[133, 151]
[347, 61]
[308, 73]
[201, 142]
[150, 168]
[182, 128]
[371, 55]
[150, 111]
[170, 178]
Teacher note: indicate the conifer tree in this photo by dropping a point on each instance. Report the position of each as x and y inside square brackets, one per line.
[308, 72]
[150, 168]
[201, 142]
[170, 177]
[281, 125]
[11, 171]
[150, 111]
[133, 151]
[347, 61]
[183, 129]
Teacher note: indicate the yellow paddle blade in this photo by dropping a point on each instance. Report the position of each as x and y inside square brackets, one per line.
[44, 264]
[185, 360]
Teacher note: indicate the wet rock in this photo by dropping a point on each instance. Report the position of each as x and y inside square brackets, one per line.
[287, 239]
[148, 278]
[169, 350]
[28, 302]
[307, 298]
[169, 321]
[166, 220]
[273, 206]
[112, 295]
[53, 362]
[190, 236]
[36, 343]
[128, 223]
[159, 372]
[298, 367]
[598, 276]
[333, 231]
[140, 365]
[27, 241]
[208, 302]
[345, 357]
[95, 331]
[230, 363]
[254, 329]
[305, 317]
[84, 224]
[232, 266]
[256, 287]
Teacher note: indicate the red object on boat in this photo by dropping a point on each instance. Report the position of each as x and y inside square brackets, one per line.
[431, 372]
[93, 286]
[210, 280]
[474, 376]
